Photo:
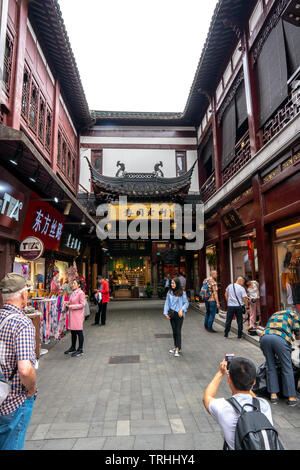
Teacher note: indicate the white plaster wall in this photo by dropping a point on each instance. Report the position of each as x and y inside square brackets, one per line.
[84, 177]
[138, 160]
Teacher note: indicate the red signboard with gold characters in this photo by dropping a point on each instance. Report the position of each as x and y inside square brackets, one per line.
[44, 222]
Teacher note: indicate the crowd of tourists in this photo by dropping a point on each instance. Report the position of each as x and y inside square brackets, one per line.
[18, 387]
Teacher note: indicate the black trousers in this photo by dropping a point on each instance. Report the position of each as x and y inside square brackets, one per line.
[238, 312]
[101, 310]
[176, 323]
[74, 334]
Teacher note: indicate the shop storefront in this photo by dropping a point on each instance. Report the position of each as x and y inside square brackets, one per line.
[244, 257]
[287, 262]
[14, 198]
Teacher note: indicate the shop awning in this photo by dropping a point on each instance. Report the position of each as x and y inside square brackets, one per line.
[48, 185]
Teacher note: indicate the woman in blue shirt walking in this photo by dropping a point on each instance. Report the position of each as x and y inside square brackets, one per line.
[176, 305]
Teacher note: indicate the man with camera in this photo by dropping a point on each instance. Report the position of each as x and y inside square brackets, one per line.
[241, 374]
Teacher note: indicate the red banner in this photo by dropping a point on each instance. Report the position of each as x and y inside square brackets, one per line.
[44, 222]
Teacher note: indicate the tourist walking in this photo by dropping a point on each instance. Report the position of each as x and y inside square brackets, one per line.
[237, 302]
[212, 304]
[276, 343]
[76, 306]
[17, 361]
[103, 288]
[167, 283]
[175, 308]
[252, 287]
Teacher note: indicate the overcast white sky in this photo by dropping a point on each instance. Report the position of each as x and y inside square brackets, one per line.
[137, 55]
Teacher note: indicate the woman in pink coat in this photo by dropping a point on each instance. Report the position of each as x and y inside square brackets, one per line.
[76, 317]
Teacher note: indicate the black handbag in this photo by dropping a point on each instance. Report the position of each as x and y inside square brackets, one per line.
[242, 306]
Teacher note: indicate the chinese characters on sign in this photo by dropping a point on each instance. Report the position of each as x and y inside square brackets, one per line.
[45, 222]
[45, 225]
[73, 243]
[231, 220]
[142, 211]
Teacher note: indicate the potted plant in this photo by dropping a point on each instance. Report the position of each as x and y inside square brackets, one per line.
[160, 292]
[212, 259]
[149, 291]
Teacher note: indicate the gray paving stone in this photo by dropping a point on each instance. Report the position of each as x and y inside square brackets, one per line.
[89, 443]
[179, 441]
[91, 396]
[59, 444]
[150, 426]
[152, 442]
[70, 430]
[119, 443]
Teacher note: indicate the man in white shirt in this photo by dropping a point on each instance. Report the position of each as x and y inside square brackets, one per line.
[241, 378]
[237, 300]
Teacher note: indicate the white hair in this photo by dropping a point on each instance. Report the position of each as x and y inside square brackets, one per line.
[13, 295]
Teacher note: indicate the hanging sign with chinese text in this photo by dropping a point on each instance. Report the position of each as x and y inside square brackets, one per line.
[231, 220]
[31, 248]
[43, 221]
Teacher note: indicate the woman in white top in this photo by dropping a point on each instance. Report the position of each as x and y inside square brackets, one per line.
[254, 302]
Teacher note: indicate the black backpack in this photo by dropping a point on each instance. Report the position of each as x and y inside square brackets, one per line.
[253, 429]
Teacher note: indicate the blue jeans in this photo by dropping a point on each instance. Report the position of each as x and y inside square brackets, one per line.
[13, 427]
[271, 345]
[211, 310]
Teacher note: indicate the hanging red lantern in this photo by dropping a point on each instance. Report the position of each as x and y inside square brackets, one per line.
[250, 251]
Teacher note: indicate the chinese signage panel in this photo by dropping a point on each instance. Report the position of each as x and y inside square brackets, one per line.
[43, 221]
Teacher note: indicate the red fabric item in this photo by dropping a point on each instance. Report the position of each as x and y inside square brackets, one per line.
[105, 291]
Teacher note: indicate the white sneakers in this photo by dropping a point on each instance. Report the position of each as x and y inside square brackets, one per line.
[175, 352]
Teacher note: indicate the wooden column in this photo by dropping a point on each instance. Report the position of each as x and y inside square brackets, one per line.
[56, 108]
[202, 266]
[14, 117]
[264, 254]
[251, 98]
[224, 264]
[217, 139]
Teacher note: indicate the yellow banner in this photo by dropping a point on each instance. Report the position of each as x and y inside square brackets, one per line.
[141, 211]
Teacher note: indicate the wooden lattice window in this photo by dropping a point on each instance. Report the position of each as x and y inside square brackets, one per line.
[97, 161]
[48, 130]
[8, 60]
[25, 93]
[33, 106]
[73, 171]
[42, 115]
[64, 155]
[181, 166]
[69, 165]
[58, 148]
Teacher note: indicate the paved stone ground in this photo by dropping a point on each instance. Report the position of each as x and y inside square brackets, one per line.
[156, 404]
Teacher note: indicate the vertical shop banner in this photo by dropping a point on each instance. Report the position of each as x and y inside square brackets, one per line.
[44, 222]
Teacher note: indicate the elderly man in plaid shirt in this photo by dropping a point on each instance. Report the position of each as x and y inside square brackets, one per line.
[17, 354]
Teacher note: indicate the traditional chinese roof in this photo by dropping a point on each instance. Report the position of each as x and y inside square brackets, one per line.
[218, 48]
[141, 185]
[46, 17]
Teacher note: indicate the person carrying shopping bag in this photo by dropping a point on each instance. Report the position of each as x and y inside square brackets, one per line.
[175, 308]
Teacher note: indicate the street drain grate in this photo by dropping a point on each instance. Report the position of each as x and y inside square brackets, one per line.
[163, 335]
[124, 360]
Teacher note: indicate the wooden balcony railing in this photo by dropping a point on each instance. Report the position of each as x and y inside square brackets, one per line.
[242, 156]
[209, 188]
[289, 109]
